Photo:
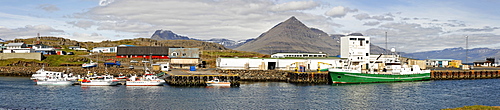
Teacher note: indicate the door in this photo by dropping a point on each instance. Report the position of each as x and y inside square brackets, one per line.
[271, 65]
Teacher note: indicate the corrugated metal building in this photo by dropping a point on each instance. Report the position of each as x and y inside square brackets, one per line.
[184, 57]
[155, 52]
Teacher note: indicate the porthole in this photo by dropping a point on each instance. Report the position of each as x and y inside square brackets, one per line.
[339, 77]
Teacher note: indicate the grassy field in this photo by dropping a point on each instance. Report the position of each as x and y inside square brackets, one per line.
[476, 107]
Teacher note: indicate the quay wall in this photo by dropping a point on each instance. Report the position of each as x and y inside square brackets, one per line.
[199, 80]
[279, 75]
[461, 74]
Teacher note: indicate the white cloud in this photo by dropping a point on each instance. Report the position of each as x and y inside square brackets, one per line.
[28, 31]
[295, 5]
[339, 11]
[82, 23]
[365, 16]
[202, 19]
[86, 37]
[48, 7]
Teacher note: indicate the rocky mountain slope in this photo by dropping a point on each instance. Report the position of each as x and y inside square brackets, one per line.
[457, 54]
[292, 36]
[169, 35]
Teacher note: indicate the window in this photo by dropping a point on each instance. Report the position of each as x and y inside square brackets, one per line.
[353, 39]
[174, 54]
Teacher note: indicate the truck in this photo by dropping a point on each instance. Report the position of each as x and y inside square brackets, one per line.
[112, 62]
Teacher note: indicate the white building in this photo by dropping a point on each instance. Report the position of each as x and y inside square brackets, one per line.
[276, 64]
[17, 48]
[302, 55]
[355, 48]
[438, 62]
[104, 50]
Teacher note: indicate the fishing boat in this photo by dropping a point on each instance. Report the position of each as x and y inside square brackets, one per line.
[103, 80]
[56, 78]
[361, 67]
[89, 65]
[147, 79]
[218, 82]
[42, 74]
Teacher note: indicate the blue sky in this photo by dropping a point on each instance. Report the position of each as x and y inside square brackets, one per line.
[412, 25]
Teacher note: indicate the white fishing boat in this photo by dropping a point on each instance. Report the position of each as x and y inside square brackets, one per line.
[42, 74]
[148, 79]
[55, 79]
[89, 65]
[103, 80]
[145, 80]
[217, 82]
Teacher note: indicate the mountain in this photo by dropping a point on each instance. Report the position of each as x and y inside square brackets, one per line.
[169, 35]
[293, 36]
[228, 43]
[457, 54]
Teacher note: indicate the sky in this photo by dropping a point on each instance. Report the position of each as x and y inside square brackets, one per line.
[411, 25]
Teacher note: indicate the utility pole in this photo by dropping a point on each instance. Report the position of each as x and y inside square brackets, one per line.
[466, 49]
[386, 43]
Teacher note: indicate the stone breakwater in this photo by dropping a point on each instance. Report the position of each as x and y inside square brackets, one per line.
[28, 71]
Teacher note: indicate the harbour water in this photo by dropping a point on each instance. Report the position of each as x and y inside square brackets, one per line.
[22, 93]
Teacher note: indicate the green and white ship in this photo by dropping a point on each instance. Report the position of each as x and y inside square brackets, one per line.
[361, 67]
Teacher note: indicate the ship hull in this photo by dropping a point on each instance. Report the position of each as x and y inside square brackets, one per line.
[145, 83]
[348, 77]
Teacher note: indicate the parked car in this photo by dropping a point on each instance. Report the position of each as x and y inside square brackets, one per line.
[134, 61]
[145, 61]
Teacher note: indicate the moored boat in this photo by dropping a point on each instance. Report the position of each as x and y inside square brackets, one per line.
[148, 79]
[103, 80]
[90, 64]
[361, 67]
[145, 80]
[55, 79]
[218, 82]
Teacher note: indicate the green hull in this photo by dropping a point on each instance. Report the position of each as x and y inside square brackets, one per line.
[346, 77]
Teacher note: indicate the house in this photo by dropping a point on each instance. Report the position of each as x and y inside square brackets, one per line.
[15, 45]
[104, 50]
[485, 63]
[17, 48]
[438, 62]
[184, 57]
[45, 49]
[77, 48]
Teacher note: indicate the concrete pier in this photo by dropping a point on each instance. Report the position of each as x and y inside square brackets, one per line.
[198, 78]
[462, 74]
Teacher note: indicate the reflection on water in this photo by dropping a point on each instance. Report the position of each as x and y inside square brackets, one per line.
[22, 93]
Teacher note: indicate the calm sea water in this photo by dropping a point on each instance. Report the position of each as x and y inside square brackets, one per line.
[22, 93]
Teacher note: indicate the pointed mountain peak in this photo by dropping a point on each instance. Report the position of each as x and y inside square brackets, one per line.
[293, 20]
